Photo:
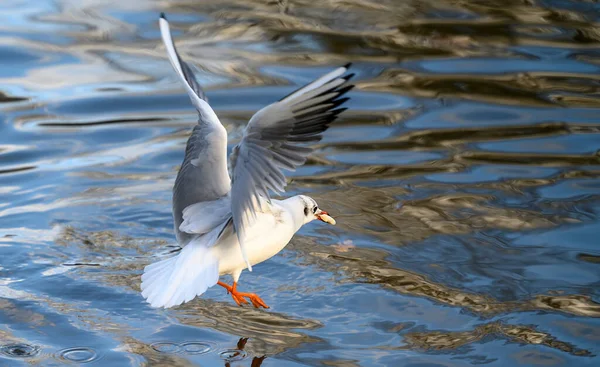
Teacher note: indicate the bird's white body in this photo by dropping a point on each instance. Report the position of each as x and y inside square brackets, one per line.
[199, 264]
[268, 235]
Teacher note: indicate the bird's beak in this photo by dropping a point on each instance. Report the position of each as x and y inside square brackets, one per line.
[324, 217]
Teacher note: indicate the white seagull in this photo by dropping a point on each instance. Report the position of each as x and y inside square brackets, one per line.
[227, 225]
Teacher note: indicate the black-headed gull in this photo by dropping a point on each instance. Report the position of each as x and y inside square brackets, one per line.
[227, 225]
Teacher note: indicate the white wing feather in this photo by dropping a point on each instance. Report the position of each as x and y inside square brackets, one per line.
[179, 279]
[202, 217]
[274, 140]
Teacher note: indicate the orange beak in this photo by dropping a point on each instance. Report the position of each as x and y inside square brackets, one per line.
[324, 217]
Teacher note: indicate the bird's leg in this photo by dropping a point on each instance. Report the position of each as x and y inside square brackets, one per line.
[253, 297]
[238, 297]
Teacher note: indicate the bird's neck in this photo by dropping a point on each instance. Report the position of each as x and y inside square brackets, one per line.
[295, 207]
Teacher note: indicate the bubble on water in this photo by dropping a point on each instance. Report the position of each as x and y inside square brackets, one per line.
[166, 347]
[232, 355]
[78, 355]
[20, 350]
[195, 347]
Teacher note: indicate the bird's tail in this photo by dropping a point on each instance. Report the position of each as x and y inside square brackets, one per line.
[179, 279]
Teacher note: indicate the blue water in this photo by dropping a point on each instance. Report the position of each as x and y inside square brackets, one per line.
[465, 180]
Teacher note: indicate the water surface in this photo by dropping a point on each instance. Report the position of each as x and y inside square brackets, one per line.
[465, 179]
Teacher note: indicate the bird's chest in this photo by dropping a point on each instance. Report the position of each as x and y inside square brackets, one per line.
[269, 234]
[268, 237]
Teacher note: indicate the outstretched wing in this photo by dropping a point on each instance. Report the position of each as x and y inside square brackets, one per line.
[273, 140]
[203, 175]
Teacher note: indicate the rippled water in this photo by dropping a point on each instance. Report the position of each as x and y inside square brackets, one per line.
[465, 180]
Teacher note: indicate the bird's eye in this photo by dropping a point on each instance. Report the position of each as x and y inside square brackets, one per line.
[315, 210]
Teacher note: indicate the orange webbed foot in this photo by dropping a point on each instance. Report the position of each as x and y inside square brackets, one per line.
[240, 297]
[254, 298]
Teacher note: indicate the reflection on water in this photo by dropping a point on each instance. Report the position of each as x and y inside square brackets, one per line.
[465, 179]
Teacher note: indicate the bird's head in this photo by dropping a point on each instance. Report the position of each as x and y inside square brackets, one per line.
[311, 211]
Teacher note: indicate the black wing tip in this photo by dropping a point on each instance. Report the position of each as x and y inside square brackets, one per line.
[347, 66]
[338, 102]
[340, 91]
[163, 16]
[335, 114]
[348, 77]
[345, 90]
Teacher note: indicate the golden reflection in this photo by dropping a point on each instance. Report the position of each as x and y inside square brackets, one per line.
[428, 139]
[451, 142]
[365, 265]
[497, 89]
[367, 30]
[573, 304]
[271, 332]
[377, 212]
[530, 158]
[151, 356]
[446, 340]
[357, 173]
[17, 315]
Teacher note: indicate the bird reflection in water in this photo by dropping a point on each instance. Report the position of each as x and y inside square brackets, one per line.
[239, 353]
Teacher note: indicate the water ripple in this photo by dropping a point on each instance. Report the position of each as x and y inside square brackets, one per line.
[78, 355]
[20, 350]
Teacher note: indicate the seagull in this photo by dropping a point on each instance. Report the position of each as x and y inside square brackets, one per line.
[225, 219]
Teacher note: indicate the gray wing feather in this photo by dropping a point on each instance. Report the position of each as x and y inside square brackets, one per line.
[270, 144]
[190, 78]
[203, 175]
